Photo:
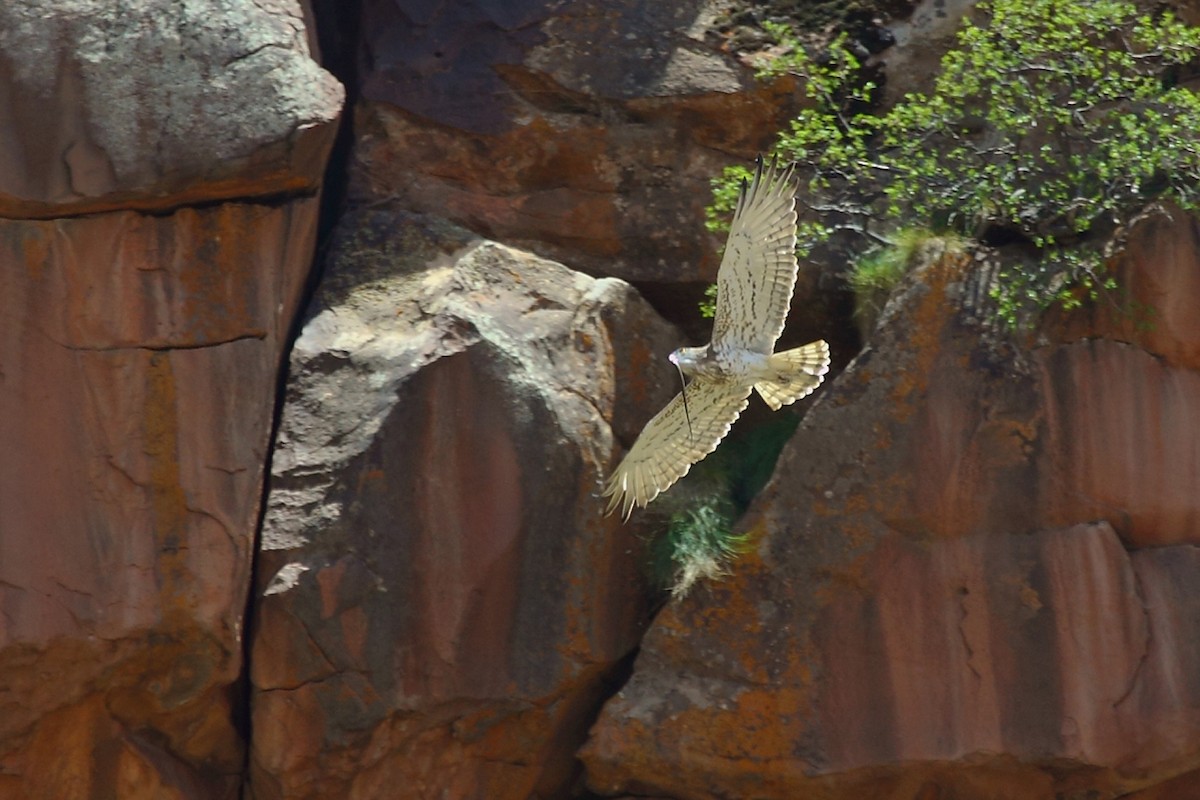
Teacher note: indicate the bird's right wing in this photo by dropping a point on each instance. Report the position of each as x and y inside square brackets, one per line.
[673, 440]
[758, 271]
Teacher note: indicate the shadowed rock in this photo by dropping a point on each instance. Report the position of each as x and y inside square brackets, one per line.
[587, 132]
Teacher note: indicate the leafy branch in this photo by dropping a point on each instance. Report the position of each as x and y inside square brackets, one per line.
[1051, 122]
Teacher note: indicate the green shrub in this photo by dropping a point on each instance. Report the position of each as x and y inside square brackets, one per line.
[877, 271]
[1051, 122]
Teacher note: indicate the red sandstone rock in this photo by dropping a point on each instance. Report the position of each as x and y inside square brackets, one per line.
[1031, 657]
[1156, 280]
[941, 602]
[444, 599]
[1184, 787]
[138, 357]
[1122, 441]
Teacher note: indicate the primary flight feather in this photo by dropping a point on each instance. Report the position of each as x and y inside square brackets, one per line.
[754, 289]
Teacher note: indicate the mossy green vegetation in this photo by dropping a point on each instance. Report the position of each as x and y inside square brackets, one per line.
[879, 270]
[876, 273]
[1051, 123]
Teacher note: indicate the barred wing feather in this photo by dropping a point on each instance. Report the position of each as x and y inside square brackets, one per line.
[758, 272]
[673, 440]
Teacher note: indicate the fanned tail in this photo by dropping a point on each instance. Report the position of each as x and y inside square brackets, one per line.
[797, 373]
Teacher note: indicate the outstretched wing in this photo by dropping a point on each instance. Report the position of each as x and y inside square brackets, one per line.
[758, 271]
[674, 440]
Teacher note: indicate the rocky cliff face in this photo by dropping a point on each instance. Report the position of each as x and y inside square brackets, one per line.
[155, 233]
[973, 575]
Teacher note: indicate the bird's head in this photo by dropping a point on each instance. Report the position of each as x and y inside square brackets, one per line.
[687, 359]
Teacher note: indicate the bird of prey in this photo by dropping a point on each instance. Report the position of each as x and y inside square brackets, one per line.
[754, 290]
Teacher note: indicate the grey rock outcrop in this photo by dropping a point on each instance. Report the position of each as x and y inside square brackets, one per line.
[147, 105]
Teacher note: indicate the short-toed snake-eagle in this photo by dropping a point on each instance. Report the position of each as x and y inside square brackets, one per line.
[754, 290]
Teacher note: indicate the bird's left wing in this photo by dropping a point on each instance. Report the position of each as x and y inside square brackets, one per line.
[758, 272]
[673, 440]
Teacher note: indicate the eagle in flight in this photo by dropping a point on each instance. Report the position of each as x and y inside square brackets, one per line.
[754, 290]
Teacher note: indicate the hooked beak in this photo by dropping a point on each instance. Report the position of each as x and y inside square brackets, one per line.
[672, 359]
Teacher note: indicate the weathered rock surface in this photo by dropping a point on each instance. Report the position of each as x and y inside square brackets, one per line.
[1157, 281]
[922, 37]
[587, 131]
[150, 105]
[444, 600]
[138, 360]
[942, 602]
[1120, 384]
[972, 579]
[139, 355]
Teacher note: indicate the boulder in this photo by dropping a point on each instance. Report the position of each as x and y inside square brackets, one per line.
[973, 576]
[153, 106]
[443, 601]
